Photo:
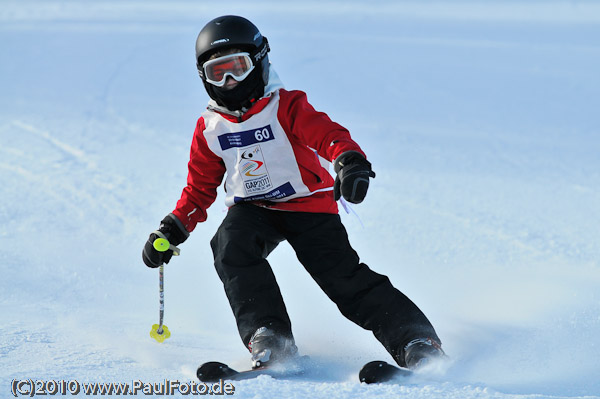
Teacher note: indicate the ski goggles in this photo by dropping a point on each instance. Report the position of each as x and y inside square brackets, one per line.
[238, 66]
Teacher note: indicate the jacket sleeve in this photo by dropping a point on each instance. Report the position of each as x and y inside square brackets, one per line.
[314, 128]
[205, 174]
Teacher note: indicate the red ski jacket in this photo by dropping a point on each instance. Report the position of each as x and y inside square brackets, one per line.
[272, 155]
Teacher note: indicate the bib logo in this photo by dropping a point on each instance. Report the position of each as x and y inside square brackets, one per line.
[253, 170]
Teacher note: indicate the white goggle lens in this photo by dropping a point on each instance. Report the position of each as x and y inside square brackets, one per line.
[238, 66]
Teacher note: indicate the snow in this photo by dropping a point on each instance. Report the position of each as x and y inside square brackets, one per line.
[480, 118]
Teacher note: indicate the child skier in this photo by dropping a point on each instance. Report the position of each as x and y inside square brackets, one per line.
[270, 145]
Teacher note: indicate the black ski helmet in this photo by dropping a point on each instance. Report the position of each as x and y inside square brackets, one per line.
[231, 31]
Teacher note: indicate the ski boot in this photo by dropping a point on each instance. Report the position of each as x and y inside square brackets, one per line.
[421, 351]
[268, 347]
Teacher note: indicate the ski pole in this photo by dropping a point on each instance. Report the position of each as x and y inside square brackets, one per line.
[159, 331]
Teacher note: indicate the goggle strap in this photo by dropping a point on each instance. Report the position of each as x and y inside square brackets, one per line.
[261, 51]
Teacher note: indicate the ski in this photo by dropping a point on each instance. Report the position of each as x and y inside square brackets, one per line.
[371, 373]
[216, 371]
[379, 371]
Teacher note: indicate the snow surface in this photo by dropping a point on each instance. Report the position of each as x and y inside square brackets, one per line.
[480, 118]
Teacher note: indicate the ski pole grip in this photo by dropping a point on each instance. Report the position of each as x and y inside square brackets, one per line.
[162, 244]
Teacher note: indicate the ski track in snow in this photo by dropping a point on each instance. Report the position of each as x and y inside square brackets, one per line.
[483, 131]
[79, 155]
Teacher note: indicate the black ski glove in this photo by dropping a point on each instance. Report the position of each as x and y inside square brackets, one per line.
[174, 231]
[352, 180]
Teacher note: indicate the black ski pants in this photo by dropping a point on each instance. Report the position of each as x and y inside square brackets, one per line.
[247, 236]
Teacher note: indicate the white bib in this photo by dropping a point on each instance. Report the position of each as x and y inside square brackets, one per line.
[258, 156]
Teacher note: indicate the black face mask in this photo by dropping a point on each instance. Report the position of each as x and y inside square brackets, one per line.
[242, 95]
